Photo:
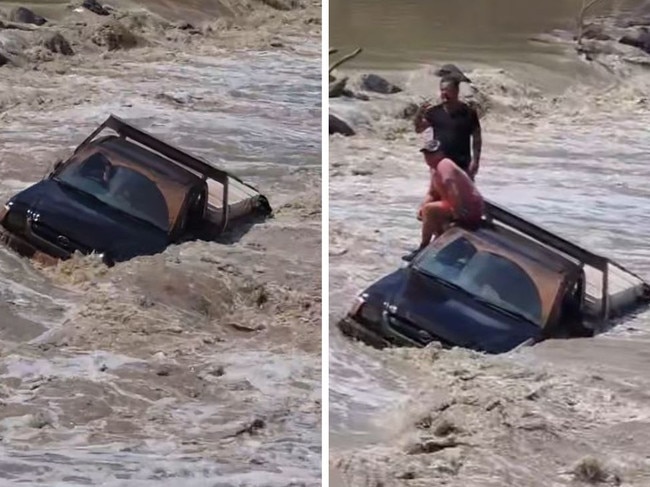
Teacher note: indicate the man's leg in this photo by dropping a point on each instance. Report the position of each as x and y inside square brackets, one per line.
[434, 197]
[435, 216]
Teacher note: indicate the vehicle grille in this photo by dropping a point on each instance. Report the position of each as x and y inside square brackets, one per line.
[408, 329]
[48, 233]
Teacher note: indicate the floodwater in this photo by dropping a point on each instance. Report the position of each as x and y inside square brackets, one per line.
[200, 366]
[564, 144]
[395, 34]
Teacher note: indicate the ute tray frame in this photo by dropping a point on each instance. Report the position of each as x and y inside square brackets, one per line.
[180, 157]
[604, 305]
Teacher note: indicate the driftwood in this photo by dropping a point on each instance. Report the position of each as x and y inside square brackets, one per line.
[337, 86]
[345, 59]
[580, 20]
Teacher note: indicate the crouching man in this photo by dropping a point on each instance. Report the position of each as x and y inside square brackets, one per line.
[452, 197]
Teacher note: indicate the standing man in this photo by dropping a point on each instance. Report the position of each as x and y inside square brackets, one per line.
[454, 123]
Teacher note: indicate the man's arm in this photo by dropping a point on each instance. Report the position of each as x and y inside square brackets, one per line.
[477, 145]
[431, 196]
[419, 121]
[432, 192]
[454, 197]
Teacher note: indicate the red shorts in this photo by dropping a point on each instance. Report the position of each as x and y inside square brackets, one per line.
[471, 216]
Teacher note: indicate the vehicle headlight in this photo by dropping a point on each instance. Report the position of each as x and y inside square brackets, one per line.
[106, 259]
[365, 310]
[371, 312]
[14, 220]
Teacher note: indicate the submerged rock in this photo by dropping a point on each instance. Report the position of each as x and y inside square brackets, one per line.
[635, 21]
[95, 7]
[377, 84]
[13, 43]
[26, 16]
[409, 110]
[595, 32]
[356, 96]
[640, 40]
[591, 470]
[452, 71]
[283, 4]
[58, 44]
[185, 26]
[338, 126]
[144, 21]
[113, 35]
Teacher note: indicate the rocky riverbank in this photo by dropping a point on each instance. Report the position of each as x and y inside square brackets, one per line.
[616, 45]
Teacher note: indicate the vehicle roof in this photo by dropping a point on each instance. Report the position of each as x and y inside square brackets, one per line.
[547, 268]
[525, 247]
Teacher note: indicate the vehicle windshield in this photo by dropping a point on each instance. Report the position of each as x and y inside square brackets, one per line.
[119, 187]
[490, 277]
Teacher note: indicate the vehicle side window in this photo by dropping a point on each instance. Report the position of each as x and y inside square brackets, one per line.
[503, 282]
[97, 167]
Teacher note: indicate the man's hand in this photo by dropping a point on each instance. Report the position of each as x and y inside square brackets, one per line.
[419, 121]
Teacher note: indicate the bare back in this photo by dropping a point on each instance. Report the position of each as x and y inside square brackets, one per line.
[457, 189]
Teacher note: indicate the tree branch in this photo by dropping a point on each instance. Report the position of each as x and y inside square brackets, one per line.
[344, 59]
[580, 21]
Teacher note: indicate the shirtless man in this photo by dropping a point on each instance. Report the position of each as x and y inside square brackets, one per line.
[452, 197]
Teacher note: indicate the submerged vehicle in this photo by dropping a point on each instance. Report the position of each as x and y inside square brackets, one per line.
[122, 195]
[492, 289]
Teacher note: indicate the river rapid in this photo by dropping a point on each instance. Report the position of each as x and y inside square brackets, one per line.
[200, 366]
[565, 144]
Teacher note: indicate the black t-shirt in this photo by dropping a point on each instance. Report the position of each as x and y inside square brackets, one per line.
[453, 130]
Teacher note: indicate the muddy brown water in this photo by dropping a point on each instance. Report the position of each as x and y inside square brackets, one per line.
[565, 144]
[200, 366]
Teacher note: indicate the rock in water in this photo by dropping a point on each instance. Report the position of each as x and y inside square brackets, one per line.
[26, 16]
[635, 20]
[13, 43]
[409, 110]
[338, 126]
[95, 7]
[114, 36]
[59, 44]
[640, 40]
[377, 84]
[282, 4]
[452, 71]
[596, 32]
